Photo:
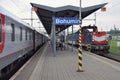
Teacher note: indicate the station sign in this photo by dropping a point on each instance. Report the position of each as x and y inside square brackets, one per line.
[67, 21]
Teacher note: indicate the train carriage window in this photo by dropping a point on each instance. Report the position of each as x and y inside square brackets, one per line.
[26, 34]
[20, 33]
[0, 30]
[30, 36]
[13, 32]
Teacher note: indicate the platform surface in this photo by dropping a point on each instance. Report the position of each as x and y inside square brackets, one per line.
[64, 67]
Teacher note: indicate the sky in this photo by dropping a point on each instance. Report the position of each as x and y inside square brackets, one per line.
[104, 20]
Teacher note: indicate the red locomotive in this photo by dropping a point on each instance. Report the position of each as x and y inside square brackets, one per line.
[92, 39]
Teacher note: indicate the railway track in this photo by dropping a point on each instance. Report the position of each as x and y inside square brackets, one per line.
[112, 56]
[109, 56]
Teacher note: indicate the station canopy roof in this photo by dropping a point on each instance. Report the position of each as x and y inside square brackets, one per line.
[45, 14]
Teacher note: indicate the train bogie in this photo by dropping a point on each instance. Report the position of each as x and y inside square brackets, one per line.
[100, 48]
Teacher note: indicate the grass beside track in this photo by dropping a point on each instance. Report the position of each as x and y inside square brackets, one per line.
[114, 49]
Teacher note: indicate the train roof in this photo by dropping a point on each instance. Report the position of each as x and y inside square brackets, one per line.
[7, 13]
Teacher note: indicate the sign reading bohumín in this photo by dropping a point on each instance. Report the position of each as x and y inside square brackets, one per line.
[67, 21]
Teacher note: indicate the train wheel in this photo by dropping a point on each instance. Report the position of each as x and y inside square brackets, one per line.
[92, 51]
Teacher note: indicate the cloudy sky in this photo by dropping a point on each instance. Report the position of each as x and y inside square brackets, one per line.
[105, 20]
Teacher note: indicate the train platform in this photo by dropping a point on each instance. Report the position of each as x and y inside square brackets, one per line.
[64, 66]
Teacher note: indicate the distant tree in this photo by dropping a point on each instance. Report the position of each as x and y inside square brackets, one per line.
[115, 31]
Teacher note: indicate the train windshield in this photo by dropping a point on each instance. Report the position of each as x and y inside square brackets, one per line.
[0, 30]
[90, 30]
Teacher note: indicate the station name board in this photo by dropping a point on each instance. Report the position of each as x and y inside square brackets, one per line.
[67, 21]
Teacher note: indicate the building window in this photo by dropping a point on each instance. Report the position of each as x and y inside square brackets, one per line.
[0, 30]
[20, 33]
[13, 32]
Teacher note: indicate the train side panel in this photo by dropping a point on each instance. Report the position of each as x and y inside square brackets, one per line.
[15, 47]
[17, 42]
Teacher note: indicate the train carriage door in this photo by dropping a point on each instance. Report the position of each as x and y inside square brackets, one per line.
[2, 32]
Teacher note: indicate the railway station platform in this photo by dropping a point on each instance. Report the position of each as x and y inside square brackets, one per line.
[64, 66]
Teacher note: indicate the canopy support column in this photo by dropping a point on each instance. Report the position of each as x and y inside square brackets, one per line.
[72, 38]
[53, 37]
